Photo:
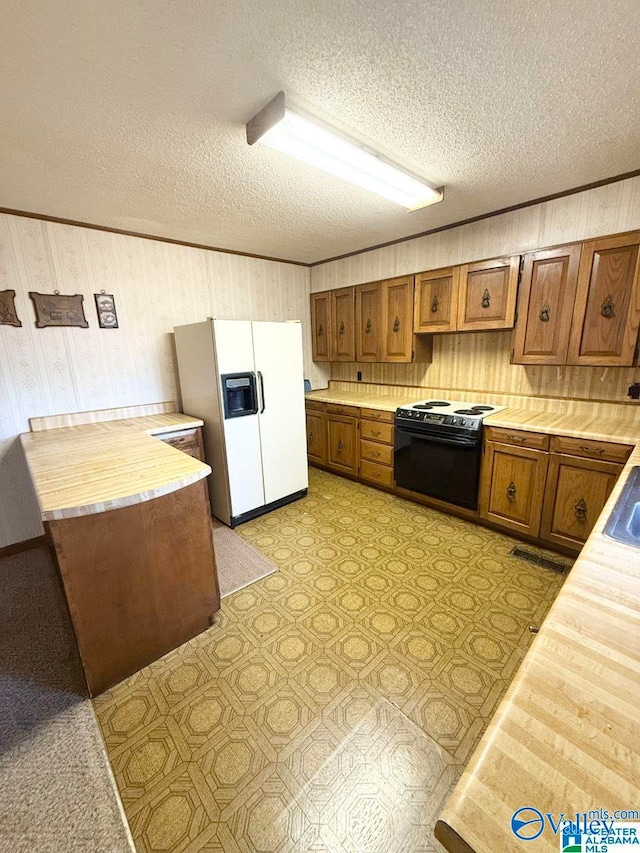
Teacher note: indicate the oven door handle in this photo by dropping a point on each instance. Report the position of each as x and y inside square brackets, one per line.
[437, 439]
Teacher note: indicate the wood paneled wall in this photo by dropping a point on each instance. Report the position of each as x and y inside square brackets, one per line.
[156, 285]
[480, 361]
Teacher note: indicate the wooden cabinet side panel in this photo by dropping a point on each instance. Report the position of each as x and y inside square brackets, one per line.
[139, 581]
[368, 322]
[606, 315]
[577, 490]
[397, 319]
[320, 326]
[545, 305]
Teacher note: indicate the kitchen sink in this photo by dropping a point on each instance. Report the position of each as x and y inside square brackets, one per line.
[623, 524]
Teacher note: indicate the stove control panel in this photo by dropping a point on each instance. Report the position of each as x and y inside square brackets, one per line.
[422, 417]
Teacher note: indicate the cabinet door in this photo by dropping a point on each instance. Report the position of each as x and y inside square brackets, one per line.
[577, 490]
[343, 324]
[321, 326]
[545, 305]
[605, 321]
[317, 437]
[512, 487]
[436, 300]
[397, 319]
[488, 294]
[342, 448]
[368, 322]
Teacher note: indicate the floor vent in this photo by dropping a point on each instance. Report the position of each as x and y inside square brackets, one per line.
[539, 560]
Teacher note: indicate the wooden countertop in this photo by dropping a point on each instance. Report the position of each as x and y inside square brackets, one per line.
[97, 467]
[566, 737]
[623, 428]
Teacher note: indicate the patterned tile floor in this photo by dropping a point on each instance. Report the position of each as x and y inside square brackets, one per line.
[334, 703]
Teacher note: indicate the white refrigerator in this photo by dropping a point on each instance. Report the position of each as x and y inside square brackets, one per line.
[245, 380]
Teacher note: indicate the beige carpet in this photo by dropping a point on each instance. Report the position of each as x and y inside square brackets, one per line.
[239, 564]
[57, 790]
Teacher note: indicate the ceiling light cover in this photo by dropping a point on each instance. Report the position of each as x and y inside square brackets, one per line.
[300, 137]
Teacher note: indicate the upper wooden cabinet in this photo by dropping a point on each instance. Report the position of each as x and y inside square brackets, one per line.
[321, 326]
[545, 305]
[343, 324]
[397, 319]
[436, 300]
[470, 297]
[604, 329]
[487, 294]
[369, 321]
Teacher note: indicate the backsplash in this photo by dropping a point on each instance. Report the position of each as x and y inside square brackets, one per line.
[479, 361]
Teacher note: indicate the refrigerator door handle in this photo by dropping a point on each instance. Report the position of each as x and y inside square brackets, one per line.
[263, 404]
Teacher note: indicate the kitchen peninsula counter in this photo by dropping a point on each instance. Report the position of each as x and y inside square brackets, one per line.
[129, 519]
[92, 468]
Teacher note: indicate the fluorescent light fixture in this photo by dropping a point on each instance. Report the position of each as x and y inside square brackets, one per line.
[302, 138]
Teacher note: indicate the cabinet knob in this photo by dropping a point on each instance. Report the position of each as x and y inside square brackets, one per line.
[580, 509]
[486, 299]
[367, 327]
[340, 444]
[396, 324]
[545, 313]
[310, 436]
[435, 305]
[375, 454]
[599, 450]
[606, 309]
[375, 432]
[519, 438]
[320, 330]
[341, 329]
[511, 492]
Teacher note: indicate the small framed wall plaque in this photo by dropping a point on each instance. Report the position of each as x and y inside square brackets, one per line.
[106, 308]
[8, 316]
[54, 309]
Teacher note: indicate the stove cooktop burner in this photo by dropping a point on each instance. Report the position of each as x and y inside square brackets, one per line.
[436, 403]
[467, 412]
[482, 408]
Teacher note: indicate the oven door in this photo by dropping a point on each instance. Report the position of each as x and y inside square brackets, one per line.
[447, 468]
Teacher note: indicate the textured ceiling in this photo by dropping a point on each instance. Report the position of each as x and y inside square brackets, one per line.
[131, 113]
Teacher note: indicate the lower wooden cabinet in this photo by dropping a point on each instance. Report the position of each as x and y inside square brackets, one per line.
[577, 490]
[317, 437]
[512, 487]
[342, 443]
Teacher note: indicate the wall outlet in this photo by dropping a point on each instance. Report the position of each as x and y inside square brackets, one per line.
[359, 376]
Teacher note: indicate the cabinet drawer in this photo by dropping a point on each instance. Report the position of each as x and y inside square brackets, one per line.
[519, 438]
[377, 431]
[187, 441]
[377, 415]
[336, 409]
[374, 452]
[315, 405]
[376, 473]
[605, 450]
